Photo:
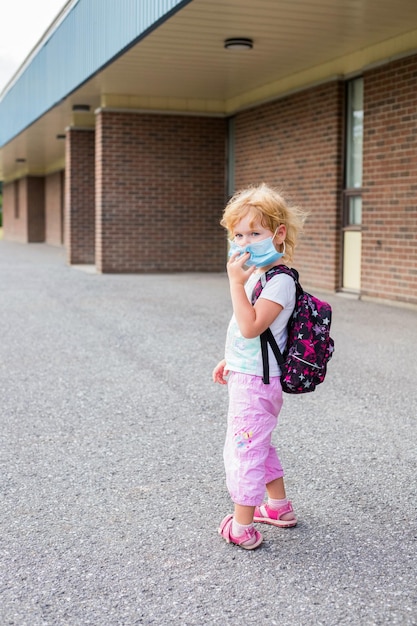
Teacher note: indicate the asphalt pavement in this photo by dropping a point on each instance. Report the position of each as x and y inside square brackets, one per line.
[112, 481]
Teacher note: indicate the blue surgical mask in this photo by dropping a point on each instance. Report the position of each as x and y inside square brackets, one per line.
[262, 253]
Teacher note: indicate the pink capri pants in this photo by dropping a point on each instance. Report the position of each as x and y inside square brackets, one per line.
[251, 461]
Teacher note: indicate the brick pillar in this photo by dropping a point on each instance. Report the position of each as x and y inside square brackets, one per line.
[160, 193]
[14, 211]
[54, 203]
[24, 210]
[79, 222]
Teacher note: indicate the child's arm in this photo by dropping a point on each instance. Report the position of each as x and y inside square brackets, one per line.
[252, 320]
[220, 372]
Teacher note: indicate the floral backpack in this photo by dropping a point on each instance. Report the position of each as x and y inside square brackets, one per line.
[309, 346]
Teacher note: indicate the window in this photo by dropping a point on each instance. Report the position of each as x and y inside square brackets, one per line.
[231, 157]
[354, 154]
[352, 194]
[16, 199]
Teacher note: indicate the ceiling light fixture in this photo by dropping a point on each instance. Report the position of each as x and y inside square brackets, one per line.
[81, 107]
[238, 43]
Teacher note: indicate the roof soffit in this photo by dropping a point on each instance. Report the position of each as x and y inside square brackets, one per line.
[183, 67]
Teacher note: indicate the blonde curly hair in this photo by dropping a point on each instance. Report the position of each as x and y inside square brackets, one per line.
[268, 207]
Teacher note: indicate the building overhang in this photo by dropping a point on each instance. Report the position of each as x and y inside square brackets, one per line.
[178, 63]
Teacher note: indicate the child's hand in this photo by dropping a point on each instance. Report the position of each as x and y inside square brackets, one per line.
[220, 372]
[235, 271]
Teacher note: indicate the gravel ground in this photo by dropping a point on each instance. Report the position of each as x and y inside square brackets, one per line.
[112, 472]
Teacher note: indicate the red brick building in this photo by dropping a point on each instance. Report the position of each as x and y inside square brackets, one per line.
[135, 135]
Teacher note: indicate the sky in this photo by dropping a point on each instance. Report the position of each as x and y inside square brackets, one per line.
[23, 22]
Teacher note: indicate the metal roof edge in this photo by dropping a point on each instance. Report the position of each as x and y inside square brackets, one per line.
[42, 41]
[46, 38]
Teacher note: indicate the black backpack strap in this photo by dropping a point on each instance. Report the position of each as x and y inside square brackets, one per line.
[265, 357]
[267, 337]
[277, 269]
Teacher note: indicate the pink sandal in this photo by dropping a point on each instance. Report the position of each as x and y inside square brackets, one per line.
[264, 514]
[225, 531]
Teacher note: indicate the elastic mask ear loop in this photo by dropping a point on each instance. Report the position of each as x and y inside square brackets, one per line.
[283, 243]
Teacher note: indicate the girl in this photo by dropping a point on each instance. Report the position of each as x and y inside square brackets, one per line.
[263, 231]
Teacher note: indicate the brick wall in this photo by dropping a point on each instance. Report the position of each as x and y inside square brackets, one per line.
[389, 250]
[160, 192]
[54, 204]
[295, 144]
[79, 214]
[14, 219]
[24, 210]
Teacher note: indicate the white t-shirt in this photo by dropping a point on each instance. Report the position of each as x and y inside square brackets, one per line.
[245, 355]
